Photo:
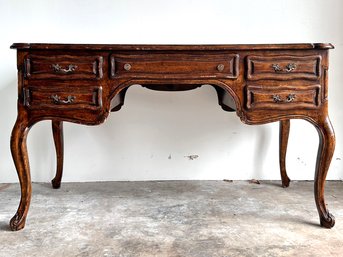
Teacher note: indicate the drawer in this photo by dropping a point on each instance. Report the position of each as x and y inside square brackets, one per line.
[283, 67]
[282, 97]
[174, 66]
[36, 97]
[63, 67]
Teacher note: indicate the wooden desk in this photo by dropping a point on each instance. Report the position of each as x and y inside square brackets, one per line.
[84, 83]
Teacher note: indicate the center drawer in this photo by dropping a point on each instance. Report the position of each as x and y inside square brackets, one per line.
[174, 66]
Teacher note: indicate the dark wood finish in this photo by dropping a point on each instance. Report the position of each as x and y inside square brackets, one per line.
[283, 97]
[84, 83]
[283, 67]
[174, 66]
[284, 133]
[61, 97]
[63, 67]
[21, 161]
[57, 131]
[325, 152]
[107, 47]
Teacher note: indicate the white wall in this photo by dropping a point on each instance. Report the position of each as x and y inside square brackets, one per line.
[150, 137]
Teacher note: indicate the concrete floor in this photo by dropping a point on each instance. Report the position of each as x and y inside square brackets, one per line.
[174, 218]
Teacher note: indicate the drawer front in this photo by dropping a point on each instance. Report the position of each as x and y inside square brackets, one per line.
[283, 67]
[283, 97]
[174, 66]
[63, 98]
[63, 67]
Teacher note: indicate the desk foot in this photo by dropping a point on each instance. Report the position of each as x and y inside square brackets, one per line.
[325, 153]
[17, 222]
[55, 184]
[327, 221]
[285, 182]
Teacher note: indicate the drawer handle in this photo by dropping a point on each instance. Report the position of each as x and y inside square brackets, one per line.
[58, 68]
[57, 99]
[289, 67]
[277, 99]
[289, 98]
[127, 66]
[220, 67]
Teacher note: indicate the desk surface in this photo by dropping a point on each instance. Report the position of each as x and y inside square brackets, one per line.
[118, 47]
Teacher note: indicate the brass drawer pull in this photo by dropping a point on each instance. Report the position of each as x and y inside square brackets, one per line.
[277, 99]
[220, 67]
[127, 66]
[69, 69]
[289, 67]
[57, 99]
[289, 98]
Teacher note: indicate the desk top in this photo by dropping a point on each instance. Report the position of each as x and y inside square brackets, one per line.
[119, 47]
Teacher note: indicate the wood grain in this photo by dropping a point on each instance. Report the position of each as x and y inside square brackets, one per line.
[83, 83]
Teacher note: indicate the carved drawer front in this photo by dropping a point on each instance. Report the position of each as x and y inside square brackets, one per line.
[283, 97]
[63, 67]
[283, 67]
[63, 98]
[174, 66]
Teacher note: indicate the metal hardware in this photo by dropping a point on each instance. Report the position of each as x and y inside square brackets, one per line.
[276, 67]
[69, 69]
[220, 67]
[288, 68]
[127, 66]
[289, 98]
[277, 99]
[57, 99]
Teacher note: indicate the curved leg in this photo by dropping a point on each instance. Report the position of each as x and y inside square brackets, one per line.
[21, 161]
[57, 130]
[283, 141]
[325, 152]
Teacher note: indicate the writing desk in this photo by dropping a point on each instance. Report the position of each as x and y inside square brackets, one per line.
[83, 83]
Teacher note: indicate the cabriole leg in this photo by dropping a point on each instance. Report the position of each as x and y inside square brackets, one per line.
[57, 130]
[325, 152]
[283, 141]
[21, 161]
